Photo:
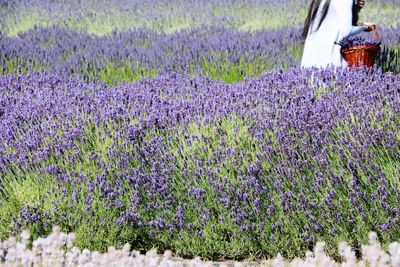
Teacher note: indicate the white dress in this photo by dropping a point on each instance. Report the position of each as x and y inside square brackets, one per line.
[320, 49]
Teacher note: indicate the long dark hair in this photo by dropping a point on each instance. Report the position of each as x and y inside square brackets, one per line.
[313, 11]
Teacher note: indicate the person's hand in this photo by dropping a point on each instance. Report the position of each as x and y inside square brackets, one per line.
[371, 26]
[360, 3]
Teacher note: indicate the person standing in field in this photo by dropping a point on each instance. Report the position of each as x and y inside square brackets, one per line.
[327, 22]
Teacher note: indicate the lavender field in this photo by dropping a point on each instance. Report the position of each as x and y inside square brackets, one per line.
[189, 126]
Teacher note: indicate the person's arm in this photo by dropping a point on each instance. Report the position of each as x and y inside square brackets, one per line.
[344, 12]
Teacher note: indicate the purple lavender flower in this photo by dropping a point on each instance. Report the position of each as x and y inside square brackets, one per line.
[356, 41]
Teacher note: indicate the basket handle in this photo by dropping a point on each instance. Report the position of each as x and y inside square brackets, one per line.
[377, 37]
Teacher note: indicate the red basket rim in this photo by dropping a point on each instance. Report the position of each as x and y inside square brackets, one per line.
[361, 47]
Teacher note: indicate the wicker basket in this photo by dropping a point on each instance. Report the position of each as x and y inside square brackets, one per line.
[357, 56]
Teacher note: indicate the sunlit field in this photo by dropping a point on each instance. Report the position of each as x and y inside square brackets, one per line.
[189, 126]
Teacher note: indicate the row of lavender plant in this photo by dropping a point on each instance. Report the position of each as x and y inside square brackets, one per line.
[102, 17]
[219, 53]
[257, 168]
[216, 52]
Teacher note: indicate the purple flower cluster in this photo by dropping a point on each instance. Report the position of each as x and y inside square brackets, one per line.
[273, 160]
[196, 51]
[356, 41]
[208, 51]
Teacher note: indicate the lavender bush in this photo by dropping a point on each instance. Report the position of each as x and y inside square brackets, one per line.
[266, 166]
[215, 52]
